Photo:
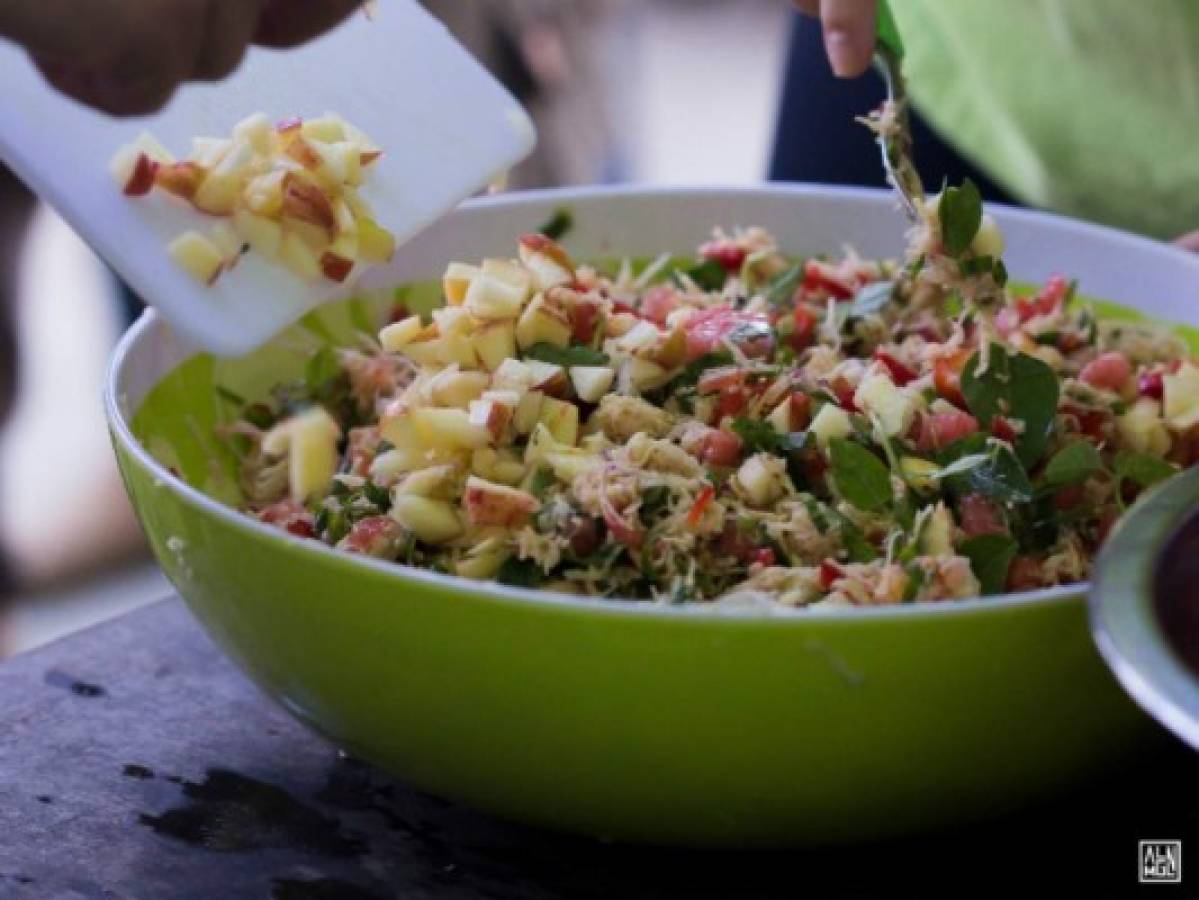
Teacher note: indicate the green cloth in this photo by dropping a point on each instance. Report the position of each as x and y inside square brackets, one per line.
[1085, 107]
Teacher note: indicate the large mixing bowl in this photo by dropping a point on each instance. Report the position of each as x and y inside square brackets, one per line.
[623, 720]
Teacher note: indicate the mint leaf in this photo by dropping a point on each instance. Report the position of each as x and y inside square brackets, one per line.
[960, 213]
[781, 289]
[990, 558]
[860, 477]
[1016, 386]
[1072, 464]
[557, 225]
[1142, 469]
[708, 275]
[520, 573]
[574, 355]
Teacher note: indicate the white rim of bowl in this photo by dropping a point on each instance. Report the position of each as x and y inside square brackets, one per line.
[1072, 593]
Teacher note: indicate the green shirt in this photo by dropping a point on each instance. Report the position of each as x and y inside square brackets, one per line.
[1085, 107]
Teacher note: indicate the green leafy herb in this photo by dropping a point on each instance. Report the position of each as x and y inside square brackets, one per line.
[1141, 469]
[990, 557]
[542, 480]
[759, 436]
[557, 225]
[377, 495]
[916, 579]
[781, 289]
[1015, 386]
[1000, 478]
[708, 275]
[259, 415]
[1072, 464]
[230, 396]
[861, 477]
[520, 573]
[654, 500]
[960, 212]
[574, 355]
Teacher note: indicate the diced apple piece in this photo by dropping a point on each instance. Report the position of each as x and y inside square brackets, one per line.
[937, 537]
[310, 441]
[395, 336]
[1142, 428]
[549, 378]
[327, 128]
[180, 178]
[492, 299]
[438, 482]
[198, 256]
[482, 564]
[133, 170]
[561, 419]
[429, 352]
[640, 338]
[300, 149]
[263, 194]
[638, 375]
[509, 272]
[387, 467]
[299, 257]
[219, 191]
[456, 280]
[892, 406]
[543, 321]
[829, 423]
[1180, 396]
[304, 201]
[780, 417]
[502, 465]
[375, 243]
[207, 152]
[512, 375]
[546, 260]
[488, 503]
[262, 234]
[228, 241]
[761, 479]
[494, 343]
[431, 521]
[453, 320]
[257, 131]
[457, 389]
[569, 466]
[591, 382]
[460, 348]
[528, 412]
[453, 428]
[491, 415]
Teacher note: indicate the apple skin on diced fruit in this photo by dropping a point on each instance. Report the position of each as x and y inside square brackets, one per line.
[198, 256]
[488, 503]
[305, 202]
[546, 260]
[181, 178]
[543, 322]
[335, 266]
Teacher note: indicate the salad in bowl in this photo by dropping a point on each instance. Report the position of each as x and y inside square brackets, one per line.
[738, 426]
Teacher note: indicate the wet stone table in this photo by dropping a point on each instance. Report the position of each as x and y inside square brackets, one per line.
[137, 762]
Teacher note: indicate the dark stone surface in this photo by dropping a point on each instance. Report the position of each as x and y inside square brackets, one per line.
[136, 762]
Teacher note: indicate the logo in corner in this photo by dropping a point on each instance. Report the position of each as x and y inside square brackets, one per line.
[1160, 862]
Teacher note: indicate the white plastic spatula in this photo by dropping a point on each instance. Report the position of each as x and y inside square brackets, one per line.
[445, 125]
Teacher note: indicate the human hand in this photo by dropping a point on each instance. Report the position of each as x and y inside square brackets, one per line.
[848, 32]
[127, 57]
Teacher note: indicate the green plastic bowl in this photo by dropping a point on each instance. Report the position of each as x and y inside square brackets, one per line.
[694, 726]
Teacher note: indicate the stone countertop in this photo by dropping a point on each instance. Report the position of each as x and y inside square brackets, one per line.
[137, 762]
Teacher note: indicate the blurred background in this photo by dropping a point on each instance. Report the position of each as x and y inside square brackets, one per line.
[665, 91]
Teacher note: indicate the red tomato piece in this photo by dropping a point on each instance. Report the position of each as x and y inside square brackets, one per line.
[805, 327]
[801, 410]
[723, 378]
[659, 302]
[830, 572]
[947, 376]
[978, 515]
[584, 316]
[821, 277]
[900, 373]
[1046, 302]
[939, 430]
[1151, 385]
[720, 448]
[290, 516]
[371, 534]
[762, 556]
[843, 391]
[707, 331]
[695, 515]
[1107, 371]
[730, 256]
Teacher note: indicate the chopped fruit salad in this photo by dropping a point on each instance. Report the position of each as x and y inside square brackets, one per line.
[815, 432]
[288, 191]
